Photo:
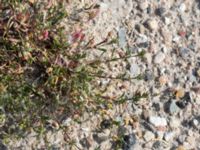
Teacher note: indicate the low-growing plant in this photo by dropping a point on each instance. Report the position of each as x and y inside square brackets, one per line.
[43, 73]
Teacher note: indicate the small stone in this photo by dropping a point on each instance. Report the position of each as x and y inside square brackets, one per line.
[143, 45]
[143, 5]
[184, 52]
[182, 138]
[168, 136]
[2, 146]
[167, 36]
[106, 145]
[152, 24]
[86, 142]
[160, 11]
[102, 136]
[174, 122]
[182, 103]
[163, 80]
[122, 37]
[158, 121]
[159, 134]
[173, 108]
[191, 141]
[160, 56]
[53, 124]
[66, 122]
[148, 57]
[148, 136]
[198, 72]
[134, 70]
[195, 122]
[156, 106]
[167, 20]
[149, 76]
[140, 28]
[176, 39]
[129, 141]
[180, 93]
[182, 7]
[106, 123]
[103, 7]
[158, 145]
[180, 148]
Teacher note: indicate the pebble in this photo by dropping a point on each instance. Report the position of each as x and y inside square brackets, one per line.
[148, 57]
[167, 36]
[157, 121]
[198, 72]
[184, 52]
[195, 123]
[182, 138]
[159, 57]
[182, 7]
[182, 103]
[2, 146]
[168, 136]
[102, 136]
[148, 136]
[106, 123]
[159, 134]
[152, 24]
[180, 93]
[103, 7]
[106, 145]
[160, 11]
[163, 80]
[134, 70]
[140, 28]
[173, 108]
[158, 145]
[191, 141]
[174, 122]
[66, 122]
[180, 148]
[129, 141]
[167, 20]
[122, 37]
[143, 5]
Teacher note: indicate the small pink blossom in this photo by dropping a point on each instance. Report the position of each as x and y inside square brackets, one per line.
[45, 34]
[78, 36]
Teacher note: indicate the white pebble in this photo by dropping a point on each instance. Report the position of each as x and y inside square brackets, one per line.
[168, 136]
[157, 121]
[148, 136]
[167, 20]
[159, 57]
[143, 5]
[182, 7]
[134, 69]
[152, 24]
[174, 122]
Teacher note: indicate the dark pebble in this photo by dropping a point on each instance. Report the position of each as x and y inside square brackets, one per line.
[129, 141]
[156, 106]
[143, 45]
[158, 145]
[3, 147]
[160, 11]
[184, 101]
[106, 124]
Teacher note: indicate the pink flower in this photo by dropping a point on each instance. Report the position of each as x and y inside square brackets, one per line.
[45, 34]
[78, 36]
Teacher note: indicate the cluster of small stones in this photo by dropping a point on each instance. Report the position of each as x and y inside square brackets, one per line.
[169, 118]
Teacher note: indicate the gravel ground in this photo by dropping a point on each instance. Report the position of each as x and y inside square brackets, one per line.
[169, 118]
